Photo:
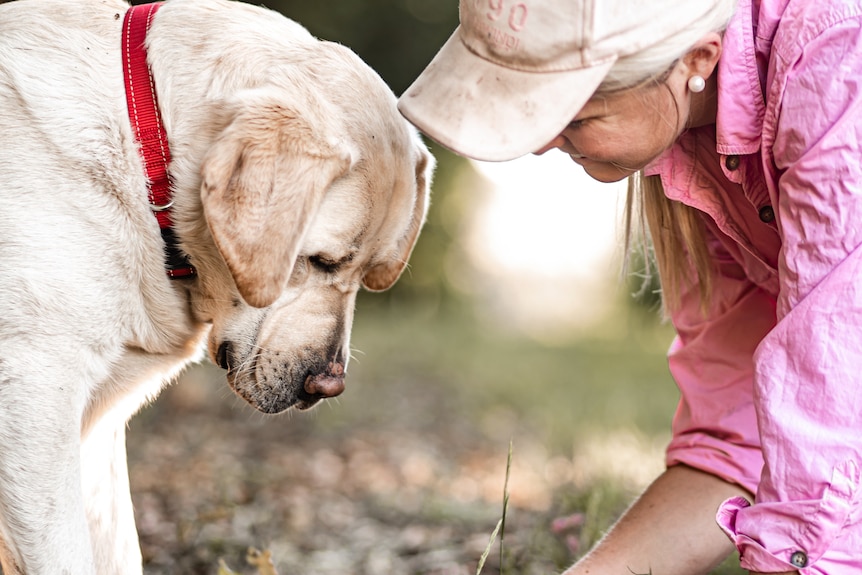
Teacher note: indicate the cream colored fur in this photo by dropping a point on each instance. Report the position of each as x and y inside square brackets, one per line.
[296, 182]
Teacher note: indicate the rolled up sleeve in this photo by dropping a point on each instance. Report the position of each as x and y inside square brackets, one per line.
[809, 403]
[808, 369]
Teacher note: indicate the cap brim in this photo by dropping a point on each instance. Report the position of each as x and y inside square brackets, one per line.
[485, 111]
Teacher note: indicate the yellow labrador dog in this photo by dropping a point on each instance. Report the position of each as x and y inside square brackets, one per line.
[294, 182]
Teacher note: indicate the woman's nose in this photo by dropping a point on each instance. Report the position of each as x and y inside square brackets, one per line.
[557, 142]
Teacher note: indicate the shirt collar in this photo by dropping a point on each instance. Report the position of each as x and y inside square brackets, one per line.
[741, 75]
[742, 71]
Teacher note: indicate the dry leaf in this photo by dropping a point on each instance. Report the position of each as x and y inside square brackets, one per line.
[223, 569]
[262, 560]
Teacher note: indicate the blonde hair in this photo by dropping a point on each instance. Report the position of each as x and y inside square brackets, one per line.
[675, 230]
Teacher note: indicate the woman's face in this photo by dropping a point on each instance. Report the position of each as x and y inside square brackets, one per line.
[615, 135]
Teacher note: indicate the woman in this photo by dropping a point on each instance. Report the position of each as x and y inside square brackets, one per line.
[739, 127]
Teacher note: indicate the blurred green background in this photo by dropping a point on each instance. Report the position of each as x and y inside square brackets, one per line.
[452, 364]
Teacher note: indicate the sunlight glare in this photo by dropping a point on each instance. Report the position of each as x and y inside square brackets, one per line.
[549, 235]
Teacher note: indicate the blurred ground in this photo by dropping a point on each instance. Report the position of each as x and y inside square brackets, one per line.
[404, 473]
[417, 493]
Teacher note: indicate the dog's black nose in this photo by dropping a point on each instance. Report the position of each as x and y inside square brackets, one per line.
[224, 354]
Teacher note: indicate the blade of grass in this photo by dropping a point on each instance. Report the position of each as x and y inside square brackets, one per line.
[505, 504]
[501, 524]
[488, 548]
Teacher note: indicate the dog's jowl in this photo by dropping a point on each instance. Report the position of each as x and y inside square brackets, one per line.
[196, 177]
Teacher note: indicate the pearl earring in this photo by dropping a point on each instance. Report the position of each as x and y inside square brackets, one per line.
[696, 84]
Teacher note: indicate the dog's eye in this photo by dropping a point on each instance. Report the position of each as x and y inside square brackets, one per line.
[323, 264]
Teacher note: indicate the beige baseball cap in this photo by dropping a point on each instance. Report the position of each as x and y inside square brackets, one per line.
[516, 72]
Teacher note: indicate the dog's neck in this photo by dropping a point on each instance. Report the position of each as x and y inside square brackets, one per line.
[150, 133]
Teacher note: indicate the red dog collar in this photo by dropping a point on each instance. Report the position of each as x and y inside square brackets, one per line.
[149, 131]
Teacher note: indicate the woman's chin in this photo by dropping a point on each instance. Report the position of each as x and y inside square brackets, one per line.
[605, 173]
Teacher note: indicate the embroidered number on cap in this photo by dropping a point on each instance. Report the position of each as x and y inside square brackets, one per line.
[518, 16]
[496, 9]
[517, 13]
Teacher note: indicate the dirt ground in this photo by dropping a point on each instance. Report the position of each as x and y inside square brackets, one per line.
[388, 480]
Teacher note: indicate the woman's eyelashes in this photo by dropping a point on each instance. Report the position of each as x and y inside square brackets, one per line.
[575, 124]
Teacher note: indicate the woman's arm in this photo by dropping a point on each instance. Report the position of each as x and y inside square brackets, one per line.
[669, 530]
[807, 369]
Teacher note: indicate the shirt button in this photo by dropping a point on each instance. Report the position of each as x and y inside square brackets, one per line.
[799, 559]
[766, 214]
[731, 163]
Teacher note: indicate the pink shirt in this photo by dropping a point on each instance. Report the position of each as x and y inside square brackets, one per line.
[771, 380]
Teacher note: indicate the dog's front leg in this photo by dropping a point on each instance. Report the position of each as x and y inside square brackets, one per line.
[107, 499]
[43, 527]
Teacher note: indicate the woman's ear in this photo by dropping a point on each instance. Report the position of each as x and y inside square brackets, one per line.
[703, 58]
[696, 77]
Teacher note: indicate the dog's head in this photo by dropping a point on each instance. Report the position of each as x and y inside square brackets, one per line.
[308, 196]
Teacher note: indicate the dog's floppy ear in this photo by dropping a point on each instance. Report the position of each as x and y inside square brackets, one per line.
[383, 276]
[263, 181]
